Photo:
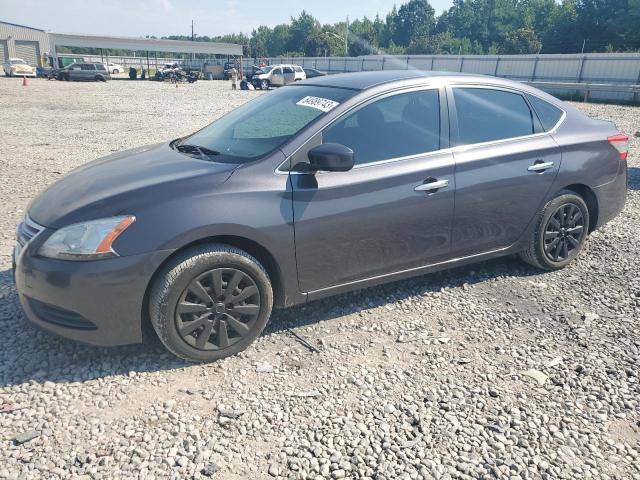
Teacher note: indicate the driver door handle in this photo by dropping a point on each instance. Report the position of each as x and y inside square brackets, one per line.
[432, 186]
[540, 166]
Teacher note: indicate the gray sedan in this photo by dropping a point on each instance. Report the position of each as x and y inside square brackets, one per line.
[325, 186]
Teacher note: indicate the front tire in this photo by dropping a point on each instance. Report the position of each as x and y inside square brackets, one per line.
[561, 230]
[210, 302]
[115, 71]
[264, 84]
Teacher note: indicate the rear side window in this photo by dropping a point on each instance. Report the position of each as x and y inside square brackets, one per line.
[396, 126]
[299, 69]
[86, 66]
[548, 114]
[486, 115]
[287, 70]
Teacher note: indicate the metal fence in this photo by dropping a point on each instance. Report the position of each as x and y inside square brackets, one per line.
[596, 76]
[607, 77]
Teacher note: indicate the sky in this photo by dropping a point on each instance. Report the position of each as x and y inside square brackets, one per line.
[173, 17]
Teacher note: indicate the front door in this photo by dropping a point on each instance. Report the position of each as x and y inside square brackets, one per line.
[505, 165]
[393, 210]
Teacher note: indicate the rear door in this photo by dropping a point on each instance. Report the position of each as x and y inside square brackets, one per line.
[381, 216]
[505, 165]
[289, 75]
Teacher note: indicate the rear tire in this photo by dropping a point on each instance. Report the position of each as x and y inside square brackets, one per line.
[210, 302]
[561, 230]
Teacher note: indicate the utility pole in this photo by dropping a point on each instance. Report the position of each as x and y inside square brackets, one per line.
[193, 39]
[346, 39]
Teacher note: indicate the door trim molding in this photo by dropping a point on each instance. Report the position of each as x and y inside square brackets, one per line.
[400, 274]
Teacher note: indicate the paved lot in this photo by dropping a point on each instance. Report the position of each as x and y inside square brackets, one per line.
[418, 379]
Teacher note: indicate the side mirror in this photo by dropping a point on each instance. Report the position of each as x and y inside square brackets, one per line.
[331, 157]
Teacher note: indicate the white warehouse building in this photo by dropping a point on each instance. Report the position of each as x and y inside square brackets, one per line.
[23, 42]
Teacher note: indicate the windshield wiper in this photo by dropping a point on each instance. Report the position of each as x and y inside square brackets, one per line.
[204, 152]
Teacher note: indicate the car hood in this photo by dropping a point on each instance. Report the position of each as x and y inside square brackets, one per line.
[21, 66]
[123, 183]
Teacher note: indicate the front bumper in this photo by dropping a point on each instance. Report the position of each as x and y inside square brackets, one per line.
[23, 74]
[96, 302]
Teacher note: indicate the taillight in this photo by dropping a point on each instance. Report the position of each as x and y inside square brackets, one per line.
[621, 144]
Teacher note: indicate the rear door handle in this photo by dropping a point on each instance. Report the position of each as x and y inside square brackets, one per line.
[432, 186]
[540, 166]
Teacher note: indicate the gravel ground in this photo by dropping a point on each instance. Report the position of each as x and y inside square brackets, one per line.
[488, 371]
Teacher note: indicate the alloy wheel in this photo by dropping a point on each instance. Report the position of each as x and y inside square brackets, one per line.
[564, 232]
[218, 309]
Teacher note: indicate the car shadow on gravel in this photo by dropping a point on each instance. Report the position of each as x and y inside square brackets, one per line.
[354, 302]
[28, 354]
[633, 181]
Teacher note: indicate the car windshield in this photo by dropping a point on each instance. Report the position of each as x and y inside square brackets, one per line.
[262, 125]
[266, 69]
[17, 61]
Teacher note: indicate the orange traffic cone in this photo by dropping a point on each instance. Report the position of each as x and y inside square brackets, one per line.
[24, 81]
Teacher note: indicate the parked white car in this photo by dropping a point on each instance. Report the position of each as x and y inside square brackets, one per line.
[277, 76]
[17, 67]
[115, 68]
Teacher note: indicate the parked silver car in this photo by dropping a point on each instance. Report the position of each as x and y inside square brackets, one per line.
[85, 71]
[277, 76]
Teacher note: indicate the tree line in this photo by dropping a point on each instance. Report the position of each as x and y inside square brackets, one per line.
[468, 27]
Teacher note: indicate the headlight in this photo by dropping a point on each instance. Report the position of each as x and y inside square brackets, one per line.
[86, 241]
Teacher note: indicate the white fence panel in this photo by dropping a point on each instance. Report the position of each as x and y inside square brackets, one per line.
[446, 64]
[516, 68]
[623, 69]
[480, 65]
[421, 63]
[556, 68]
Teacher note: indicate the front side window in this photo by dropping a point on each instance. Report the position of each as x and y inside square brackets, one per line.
[486, 115]
[264, 124]
[86, 66]
[396, 126]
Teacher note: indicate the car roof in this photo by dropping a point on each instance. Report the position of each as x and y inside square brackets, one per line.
[365, 80]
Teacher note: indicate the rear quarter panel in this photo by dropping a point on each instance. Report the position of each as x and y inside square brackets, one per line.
[587, 156]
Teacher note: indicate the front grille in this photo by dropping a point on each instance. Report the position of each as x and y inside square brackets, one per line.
[59, 316]
[27, 231]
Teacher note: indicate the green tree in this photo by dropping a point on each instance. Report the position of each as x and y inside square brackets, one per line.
[363, 38]
[520, 41]
[301, 31]
[415, 19]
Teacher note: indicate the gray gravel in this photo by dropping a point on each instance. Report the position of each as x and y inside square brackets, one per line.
[488, 371]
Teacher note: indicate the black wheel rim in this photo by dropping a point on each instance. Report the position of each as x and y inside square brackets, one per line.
[564, 232]
[218, 309]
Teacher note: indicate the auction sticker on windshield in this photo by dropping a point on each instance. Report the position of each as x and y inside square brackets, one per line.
[320, 103]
